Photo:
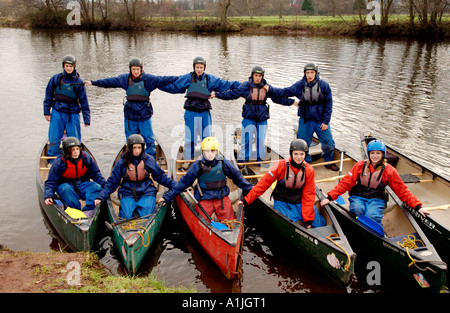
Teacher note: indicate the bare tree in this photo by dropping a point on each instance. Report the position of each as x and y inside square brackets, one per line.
[224, 5]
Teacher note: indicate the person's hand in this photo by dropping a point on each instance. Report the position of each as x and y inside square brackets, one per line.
[162, 200]
[323, 127]
[49, 201]
[297, 103]
[87, 83]
[324, 202]
[213, 95]
[266, 87]
[48, 117]
[424, 212]
[97, 202]
[240, 202]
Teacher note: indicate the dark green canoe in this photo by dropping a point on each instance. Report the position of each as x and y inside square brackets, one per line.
[326, 248]
[78, 234]
[431, 189]
[416, 262]
[134, 238]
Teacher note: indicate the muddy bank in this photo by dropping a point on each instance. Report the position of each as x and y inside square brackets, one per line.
[59, 272]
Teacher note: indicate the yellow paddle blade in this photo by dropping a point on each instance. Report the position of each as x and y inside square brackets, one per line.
[273, 185]
[74, 213]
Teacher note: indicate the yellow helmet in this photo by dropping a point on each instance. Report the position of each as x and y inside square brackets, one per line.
[210, 143]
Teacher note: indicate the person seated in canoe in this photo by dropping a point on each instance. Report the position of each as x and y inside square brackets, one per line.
[137, 108]
[295, 191]
[197, 117]
[211, 191]
[70, 176]
[366, 183]
[135, 172]
[255, 112]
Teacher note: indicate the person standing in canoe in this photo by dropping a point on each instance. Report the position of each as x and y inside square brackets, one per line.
[314, 110]
[295, 192]
[211, 190]
[366, 183]
[65, 98]
[138, 109]
[134, 173]
[70, 176]
[255, 112]
[197, 117]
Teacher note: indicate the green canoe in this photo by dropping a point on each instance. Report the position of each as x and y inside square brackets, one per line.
[326, 248]
[134, 238]
[78, 233]
[414, 261]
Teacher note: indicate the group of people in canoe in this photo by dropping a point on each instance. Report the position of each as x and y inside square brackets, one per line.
[74, 175]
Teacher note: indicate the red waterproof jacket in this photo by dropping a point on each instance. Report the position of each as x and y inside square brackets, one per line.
[390, 177]
[278, 173]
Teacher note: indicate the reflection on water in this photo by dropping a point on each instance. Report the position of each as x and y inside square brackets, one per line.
[398, 89]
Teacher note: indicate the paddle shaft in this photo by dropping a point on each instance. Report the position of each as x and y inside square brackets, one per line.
[199, 205]
[443, 207]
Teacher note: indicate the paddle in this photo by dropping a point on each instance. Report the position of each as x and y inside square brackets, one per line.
[443, 207]
[377, 228]
[215, 224]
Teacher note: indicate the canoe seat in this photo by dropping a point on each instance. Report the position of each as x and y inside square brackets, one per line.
[324, 231]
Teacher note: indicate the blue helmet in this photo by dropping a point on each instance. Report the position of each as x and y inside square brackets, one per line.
[376, 145]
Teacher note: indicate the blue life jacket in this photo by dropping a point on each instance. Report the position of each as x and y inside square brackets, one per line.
[197, 95]
[212, 177]
[136, 91]
[65, 92]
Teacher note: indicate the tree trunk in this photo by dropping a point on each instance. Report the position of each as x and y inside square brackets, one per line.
[223, 12]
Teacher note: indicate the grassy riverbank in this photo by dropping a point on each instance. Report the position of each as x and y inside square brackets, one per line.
[57, 272]
[348, 25]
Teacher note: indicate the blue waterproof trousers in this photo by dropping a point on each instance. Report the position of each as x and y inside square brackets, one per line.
[196, 123]
[307, 128]
[372, 208]
[294, 213]
[60, 121]
[250, 129]
[86, 191]
[130, 208]
[144, 128]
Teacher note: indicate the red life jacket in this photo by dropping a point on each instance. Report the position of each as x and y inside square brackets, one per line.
[75, 171]
[289, 189]
[257, 96]
[137, 173]
[371, 180]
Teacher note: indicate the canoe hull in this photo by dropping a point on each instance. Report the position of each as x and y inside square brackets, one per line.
[226, 254]
[79, 235]
[397, 259]
[135, 238]
[134, 245]
[336, 263]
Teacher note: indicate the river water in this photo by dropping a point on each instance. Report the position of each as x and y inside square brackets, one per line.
[397, 89]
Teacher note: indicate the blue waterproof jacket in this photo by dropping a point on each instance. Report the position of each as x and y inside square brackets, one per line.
[252, 111]
[319, 111]
[214, 83]
[133, 110]
[194, 172]
[127, 188]
[59, 166]
[61, 106]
